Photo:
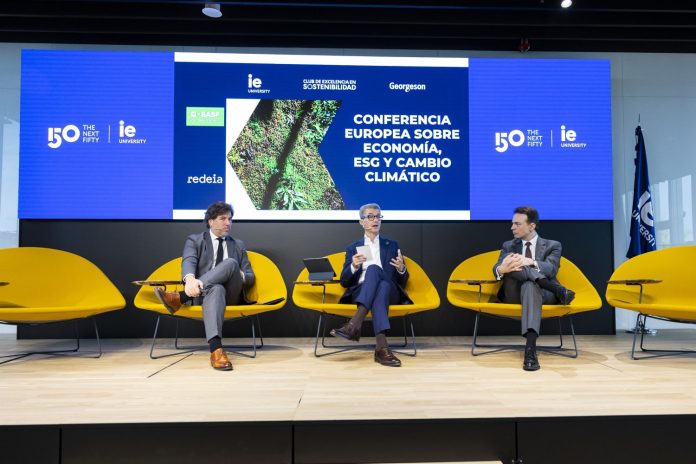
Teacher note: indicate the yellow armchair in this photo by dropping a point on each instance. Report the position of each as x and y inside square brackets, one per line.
[36, 291]
[324, 298]
[656, 285]
[473, 286]
[268, 287]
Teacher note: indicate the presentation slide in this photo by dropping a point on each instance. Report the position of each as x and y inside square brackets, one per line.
[146, 135]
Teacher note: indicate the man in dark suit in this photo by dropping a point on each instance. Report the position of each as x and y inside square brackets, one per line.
[528, 266]
[373, 276]
[215, 270]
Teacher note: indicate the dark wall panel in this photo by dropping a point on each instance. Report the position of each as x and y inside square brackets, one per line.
[29, 444]
[128, 251]
[602, 440]
[404, 441]
[245, 443]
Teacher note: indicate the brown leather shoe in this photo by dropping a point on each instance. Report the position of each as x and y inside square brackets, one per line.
[219, 360]
[385, 357]
[170, 300]
[347, 331]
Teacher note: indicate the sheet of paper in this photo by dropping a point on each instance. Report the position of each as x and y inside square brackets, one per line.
[365, 250]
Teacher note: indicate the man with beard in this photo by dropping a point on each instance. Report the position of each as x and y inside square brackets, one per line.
[215, 270]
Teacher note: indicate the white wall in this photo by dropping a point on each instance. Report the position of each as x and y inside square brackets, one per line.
[658, 87]
[9, 150]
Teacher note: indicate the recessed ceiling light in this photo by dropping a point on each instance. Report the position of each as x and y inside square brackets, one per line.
[212, 10]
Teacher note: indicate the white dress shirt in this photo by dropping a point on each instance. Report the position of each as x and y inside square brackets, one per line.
[376, 259]
[215, 248]
[532, 249]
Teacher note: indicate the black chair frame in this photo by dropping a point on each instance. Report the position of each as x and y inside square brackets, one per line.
[192, 348]
[554, 349]
[17, 356]
[340, 348]
[641, 320]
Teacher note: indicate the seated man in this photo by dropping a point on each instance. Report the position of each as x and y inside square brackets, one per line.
[373, 283]
[215, 269]
[529, 276]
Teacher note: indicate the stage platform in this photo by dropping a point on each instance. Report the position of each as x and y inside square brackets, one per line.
[286, 406]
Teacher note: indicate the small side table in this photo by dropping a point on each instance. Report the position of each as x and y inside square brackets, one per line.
[157, 283]
[478, 282]
[640, 327]
[316, 283]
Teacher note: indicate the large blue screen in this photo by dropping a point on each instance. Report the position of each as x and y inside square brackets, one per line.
[540, 135]
[141, 135]
[96, 135]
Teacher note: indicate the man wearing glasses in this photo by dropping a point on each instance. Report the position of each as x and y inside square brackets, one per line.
[374, 275]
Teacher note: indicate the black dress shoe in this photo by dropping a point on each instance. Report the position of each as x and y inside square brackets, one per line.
[531, 363]
[566, 296]
[385, 357]
[347, 331]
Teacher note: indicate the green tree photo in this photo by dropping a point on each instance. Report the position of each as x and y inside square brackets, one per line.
[277, 156]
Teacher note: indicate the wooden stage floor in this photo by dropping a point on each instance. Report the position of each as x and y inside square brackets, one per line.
[285, 382]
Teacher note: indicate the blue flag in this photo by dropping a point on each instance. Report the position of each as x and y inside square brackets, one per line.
[642, 223]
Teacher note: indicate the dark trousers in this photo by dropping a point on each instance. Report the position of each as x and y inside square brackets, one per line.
[376, 293]
[521, 287]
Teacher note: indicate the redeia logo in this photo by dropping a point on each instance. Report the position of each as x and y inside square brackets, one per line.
[56, 135]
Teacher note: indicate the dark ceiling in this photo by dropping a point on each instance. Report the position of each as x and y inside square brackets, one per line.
[589, 25]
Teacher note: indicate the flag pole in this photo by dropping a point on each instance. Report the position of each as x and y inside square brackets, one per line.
[642, 231]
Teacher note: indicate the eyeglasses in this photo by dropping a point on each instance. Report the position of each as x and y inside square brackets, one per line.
[372, 217]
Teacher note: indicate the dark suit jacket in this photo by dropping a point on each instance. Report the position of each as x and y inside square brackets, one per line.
[197, 257]
[387, 251]
[547, 255]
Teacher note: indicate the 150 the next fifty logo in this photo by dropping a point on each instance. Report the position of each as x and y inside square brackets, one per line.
[90, 133]
[56, 135]
[533, 138]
